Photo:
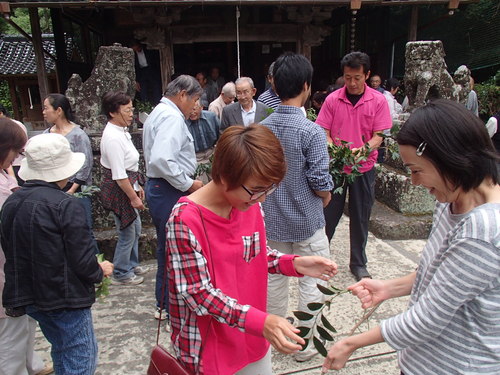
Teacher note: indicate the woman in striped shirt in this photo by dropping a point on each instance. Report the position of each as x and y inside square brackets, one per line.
[452, 325]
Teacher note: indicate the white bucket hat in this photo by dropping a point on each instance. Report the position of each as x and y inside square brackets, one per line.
[49, 158]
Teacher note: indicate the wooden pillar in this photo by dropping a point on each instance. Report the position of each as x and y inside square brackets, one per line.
[13, 99]
[166, 62]
[43, 82]
[412, 31]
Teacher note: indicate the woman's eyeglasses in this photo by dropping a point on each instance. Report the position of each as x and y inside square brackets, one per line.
[256, 195]
[128, 110]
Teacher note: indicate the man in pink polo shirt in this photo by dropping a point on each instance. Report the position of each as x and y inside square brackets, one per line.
[355, 113]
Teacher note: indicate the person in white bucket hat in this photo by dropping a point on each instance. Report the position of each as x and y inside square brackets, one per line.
[49, 158]
[51, 268]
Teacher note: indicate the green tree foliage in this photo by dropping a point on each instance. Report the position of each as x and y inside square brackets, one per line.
[5, 96]
[22, 18]
[488, 96]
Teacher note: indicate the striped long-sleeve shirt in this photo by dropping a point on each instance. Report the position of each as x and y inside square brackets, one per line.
[452, 325]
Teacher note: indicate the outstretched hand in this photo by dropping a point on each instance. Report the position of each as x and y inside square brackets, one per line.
[370, 292]
[316, 266]
[337, 356]
[277, 330]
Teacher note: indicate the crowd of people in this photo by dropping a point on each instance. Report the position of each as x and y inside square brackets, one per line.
[228, 241]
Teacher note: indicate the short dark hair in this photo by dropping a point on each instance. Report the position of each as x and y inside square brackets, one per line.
[245, 152]
[457, 143]
[12, 138]
[60, 101]
[4, 111]
[355, 60]
[290, 72]
[112, 100]
[392, 83]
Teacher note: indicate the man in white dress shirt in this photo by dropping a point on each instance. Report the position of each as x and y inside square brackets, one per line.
[170, 161]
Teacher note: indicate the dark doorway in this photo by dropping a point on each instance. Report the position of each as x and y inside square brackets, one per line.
[255, 58]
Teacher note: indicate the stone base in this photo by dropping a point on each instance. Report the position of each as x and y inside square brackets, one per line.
[394, 188]
[106, 240]
[388, 224]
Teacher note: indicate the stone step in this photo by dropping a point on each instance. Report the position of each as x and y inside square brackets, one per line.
[106, 240]
[387, 224]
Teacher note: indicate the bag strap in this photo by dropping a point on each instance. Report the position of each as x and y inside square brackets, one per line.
[212, 275]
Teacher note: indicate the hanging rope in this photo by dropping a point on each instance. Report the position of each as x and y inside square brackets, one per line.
[238, 39]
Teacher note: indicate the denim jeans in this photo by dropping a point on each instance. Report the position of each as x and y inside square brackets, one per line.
[161, 198]
[87, 204]
[71, 334]
[126, 256]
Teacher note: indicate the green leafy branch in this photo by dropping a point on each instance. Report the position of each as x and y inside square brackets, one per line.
[341, 156]
[102, 289]
[321, 327]
[204, 169]
[391, 145]
[311, 114]
[87, 191]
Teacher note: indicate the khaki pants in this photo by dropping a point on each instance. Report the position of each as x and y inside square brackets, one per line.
[260, 367]
[277, 296]
[17, 342]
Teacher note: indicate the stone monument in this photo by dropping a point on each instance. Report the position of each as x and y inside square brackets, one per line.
[403, 210]
[113, 71]
[426, 75]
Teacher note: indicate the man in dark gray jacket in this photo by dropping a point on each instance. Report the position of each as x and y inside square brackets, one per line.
[246, 111]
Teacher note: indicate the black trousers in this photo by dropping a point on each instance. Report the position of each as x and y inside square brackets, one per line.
[361, 198]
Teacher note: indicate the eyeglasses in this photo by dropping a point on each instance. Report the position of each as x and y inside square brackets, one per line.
[256, 195]
[244, 92]
[129, 110]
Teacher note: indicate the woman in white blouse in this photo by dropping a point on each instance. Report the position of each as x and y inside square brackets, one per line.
[121, 189]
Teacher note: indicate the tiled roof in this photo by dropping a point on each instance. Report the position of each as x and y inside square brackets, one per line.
[17, 55]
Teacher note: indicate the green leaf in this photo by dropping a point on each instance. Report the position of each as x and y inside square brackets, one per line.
[303, 331]
[319, 346]
[324, 333]
[303, 315]
[325, 290]
[313, 306]
[336, 289]
[327, 324]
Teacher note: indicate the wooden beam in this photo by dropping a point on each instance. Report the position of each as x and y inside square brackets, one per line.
[412, 31]
[5, 9]
[355, 4]
[43, 82]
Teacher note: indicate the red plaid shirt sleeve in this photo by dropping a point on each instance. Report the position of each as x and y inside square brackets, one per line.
[192, 278]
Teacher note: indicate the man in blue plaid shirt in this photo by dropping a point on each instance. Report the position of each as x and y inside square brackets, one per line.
[294, 219]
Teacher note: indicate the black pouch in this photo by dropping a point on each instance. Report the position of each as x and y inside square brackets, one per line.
[15, 312]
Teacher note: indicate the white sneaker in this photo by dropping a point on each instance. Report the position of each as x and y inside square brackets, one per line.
[141, 270]
[164, 314]
[134, 280]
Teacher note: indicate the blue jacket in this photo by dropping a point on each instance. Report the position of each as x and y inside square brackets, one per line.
[50, 261]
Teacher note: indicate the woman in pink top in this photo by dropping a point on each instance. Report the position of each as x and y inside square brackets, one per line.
[218, 262]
